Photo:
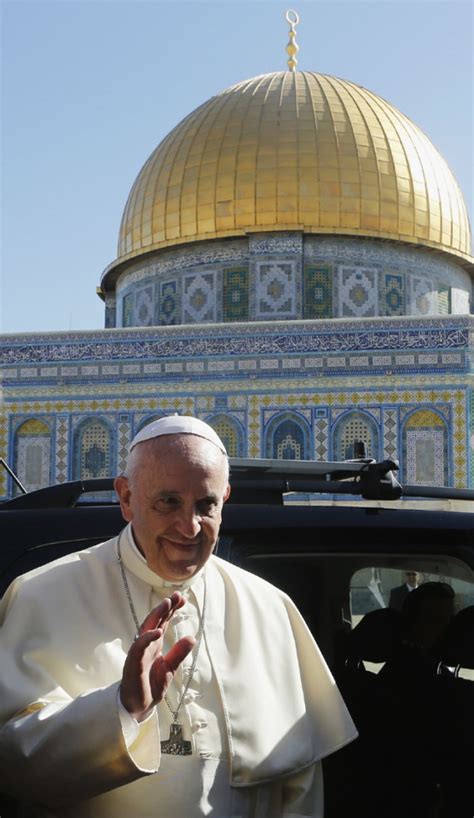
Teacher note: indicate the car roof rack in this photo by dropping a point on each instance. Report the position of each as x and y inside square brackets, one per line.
[274, 478]
[266, 481]
[253, 481]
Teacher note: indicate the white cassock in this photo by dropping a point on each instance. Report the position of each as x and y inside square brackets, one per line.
[261, 710]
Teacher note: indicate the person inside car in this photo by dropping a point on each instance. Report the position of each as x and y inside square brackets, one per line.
[146, 676]
[399, 594]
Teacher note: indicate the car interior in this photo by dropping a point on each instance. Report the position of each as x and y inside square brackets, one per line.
[409, 686]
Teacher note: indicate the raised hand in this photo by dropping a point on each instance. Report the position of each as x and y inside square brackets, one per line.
[147, 673]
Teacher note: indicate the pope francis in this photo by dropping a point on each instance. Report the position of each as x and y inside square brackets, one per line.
[146, 677]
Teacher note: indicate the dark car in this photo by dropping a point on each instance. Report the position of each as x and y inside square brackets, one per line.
[337, 538]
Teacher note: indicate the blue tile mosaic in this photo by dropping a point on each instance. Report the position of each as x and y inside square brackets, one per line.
[169, 308]
[317, 292]
[236, 294]
[393, 294]
[127, 310]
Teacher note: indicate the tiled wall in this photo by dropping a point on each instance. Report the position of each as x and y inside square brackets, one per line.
[288, 276]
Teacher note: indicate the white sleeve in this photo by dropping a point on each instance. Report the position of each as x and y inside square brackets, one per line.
[303, 793]
[58, 744]
[131, 728]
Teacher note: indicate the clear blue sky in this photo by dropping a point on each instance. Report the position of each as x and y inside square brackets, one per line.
[90, 87]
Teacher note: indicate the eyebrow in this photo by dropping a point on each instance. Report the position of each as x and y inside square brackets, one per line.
[208, 498]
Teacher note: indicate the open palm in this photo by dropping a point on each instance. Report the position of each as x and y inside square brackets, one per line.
[147, 672]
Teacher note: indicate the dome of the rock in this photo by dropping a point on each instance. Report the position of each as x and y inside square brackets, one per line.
[295, 151]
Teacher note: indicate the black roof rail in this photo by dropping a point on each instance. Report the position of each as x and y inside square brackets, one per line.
[256, 481]
[441, 492]
[61, 495]
[274, 478]
[253, 480]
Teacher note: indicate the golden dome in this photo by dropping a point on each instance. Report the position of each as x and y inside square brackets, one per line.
[295, 151]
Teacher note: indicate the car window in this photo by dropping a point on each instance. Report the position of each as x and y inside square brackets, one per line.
[381, 586]
[335, 591]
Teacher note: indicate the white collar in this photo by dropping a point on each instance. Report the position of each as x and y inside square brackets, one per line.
[136, 562]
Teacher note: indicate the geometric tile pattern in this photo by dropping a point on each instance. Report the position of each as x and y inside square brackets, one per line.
[33, 427]
[62, 448]
[357, 292]
[425, 457]
[395, 268]
[230, 433]
[425, 448]
[169, 311]
[354, 427]
[93, 450]
[297, 397]
[33, 461]
[390, 434]
[321, 441]
[33, 454]
[276, 289]
[287, 438]
[424, 419]
[199, 298]
[393, 295]
[123, 442]
[145, 373]
[423, 296]
[236, 294]
[144, 307]
[127, 308]
[317, 291]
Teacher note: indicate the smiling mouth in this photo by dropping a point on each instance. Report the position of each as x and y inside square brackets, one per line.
[183, 546]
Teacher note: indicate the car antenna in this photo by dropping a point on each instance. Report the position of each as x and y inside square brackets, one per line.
[13, 475]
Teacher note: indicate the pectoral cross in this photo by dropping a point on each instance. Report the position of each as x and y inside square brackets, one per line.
[176, 745]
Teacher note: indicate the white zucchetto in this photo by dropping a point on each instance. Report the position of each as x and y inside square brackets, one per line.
[178, 425]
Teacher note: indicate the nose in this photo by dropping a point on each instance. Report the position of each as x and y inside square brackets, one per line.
[188, 523]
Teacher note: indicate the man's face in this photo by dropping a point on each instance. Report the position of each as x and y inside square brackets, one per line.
[412, 578]
[173, 497]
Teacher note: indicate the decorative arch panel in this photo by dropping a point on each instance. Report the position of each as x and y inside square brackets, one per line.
[352, 427]
[231, 434]
[425, 449]
[32, 454]
[93, 450]
[288, 438]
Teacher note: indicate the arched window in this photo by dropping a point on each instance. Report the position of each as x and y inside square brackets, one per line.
[352, 427]
[93, 450]
[425, 449]
[230, 432]
[32, 454]
[287, 438]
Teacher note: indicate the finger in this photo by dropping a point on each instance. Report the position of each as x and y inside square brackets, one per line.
[164, 667]
[178, 652]
[141, 641]
[156, 616]
[163, 612]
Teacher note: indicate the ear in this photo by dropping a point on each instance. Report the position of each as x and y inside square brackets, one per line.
[227, 492]
[122, 487]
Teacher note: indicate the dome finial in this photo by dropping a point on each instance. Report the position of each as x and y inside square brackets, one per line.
[292, 48]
